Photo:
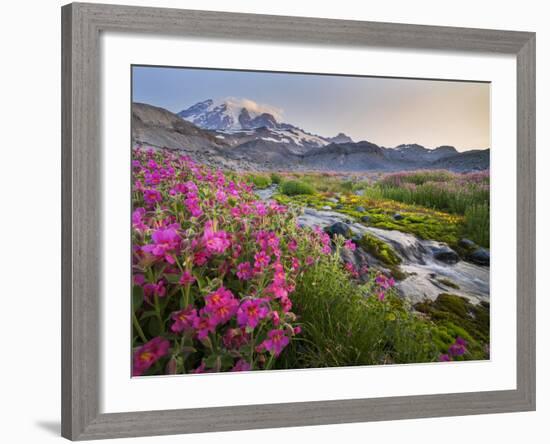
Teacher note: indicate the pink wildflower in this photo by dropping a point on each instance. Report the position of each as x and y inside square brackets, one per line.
[151, 290]
[292, 245]
[261, 260]
[241, 366]
[203, 326]
[384, 282]
[251, 312]
[165, 242]
[350, 245]
[183, 319]
[276, 342]
[149, 353]
[215, 242]
[221, 305]
[244, 271]
[200, 258]
[187, 278]
[137, 219]
[152, 196]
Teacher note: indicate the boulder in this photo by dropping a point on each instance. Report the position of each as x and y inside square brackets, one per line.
[480, 256]
[338, 228]
[467, 243]
[397, 216]
[339, 207]
[360, 209]
[326, 207]
[445, 254]
[365, 219]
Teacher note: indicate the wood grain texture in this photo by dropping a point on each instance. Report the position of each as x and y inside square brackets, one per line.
[81, 205]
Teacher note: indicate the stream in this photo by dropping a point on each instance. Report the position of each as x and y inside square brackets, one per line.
[424, 271]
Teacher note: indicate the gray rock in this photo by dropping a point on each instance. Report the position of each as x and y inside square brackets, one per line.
[397, 216]
[480, 256]
[339, 207]
[360, 209]
[326, 207]
[467, 243]
[445, 254]
[332, 199]
[365, 219]
[338, 228]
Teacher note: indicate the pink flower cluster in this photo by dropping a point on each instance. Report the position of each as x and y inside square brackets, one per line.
[214, 269]
[457, 348]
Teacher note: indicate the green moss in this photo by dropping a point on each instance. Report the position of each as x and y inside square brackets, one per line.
[422, 222]
[456, 316]
[397, 273]
[379, 249]
[448, 283]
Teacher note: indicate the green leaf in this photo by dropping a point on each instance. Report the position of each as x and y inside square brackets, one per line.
[211, 361]
[148, 314]
[172, 278]
[137, 297]
[154, 327]
[188, 349]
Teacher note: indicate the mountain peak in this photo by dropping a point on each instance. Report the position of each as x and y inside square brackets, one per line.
[340, 138]
[231, 114]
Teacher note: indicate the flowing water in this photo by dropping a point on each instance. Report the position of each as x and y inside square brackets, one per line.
[425, 272]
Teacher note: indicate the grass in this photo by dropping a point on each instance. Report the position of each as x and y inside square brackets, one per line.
[477, 224]
[260, 181]
[341, 326]
[296, 187]
[437, 205]
[423, 222]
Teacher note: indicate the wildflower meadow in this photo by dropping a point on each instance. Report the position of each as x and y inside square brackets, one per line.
[225, 282]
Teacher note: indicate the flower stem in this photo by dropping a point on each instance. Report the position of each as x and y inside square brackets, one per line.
[138, 327]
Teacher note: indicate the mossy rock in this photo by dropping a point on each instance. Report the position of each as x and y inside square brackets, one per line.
[448, 283]
[397, 273]
[380, 250]
[457, 316]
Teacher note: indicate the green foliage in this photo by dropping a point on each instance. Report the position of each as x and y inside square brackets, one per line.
[477, 224]
[276, 178]
[379, 249]
[295, 187]
[456, 316]
[259, 180]
[345, 324]
[422, 222]
[448, 283]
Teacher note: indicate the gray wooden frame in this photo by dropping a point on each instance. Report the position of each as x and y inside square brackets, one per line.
[81, 166]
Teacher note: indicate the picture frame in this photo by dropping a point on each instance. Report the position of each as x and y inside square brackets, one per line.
[82, 25]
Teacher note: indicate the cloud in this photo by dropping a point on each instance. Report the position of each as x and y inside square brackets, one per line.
[253, 107]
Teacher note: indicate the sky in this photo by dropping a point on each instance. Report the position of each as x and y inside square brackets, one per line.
[385, 111]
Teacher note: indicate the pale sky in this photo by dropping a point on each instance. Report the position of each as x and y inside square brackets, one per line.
[385, 111]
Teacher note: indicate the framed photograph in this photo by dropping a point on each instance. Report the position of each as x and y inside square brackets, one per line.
[280, 221]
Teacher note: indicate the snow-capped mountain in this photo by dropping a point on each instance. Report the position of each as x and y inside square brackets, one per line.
[245, 119]
[271, 147]
[231, 114]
